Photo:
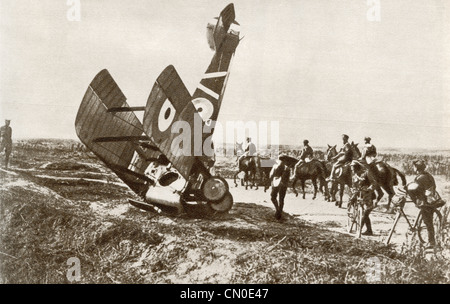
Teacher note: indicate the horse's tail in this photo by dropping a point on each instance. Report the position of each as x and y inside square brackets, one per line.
[323, 168]
[402, 176]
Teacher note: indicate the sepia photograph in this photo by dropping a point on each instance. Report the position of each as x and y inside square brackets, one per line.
[224, 147]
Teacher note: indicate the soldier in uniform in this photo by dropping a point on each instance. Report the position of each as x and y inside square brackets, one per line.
[369, 151]
[344, 155]
[306, 154]
[6, 141]
[362, 187]
[280, 178]
[423, 193]
[250, 150]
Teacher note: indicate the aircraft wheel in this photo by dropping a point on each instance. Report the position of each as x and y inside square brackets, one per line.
[223, 205]
[215, 188]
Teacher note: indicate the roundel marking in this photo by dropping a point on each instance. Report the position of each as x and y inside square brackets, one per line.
[166, 115]
[204, 108]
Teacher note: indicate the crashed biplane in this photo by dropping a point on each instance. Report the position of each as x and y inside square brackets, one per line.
[145, 154]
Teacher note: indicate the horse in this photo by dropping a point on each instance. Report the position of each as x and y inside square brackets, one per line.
[249, 165]
[313, 170]
[385, 178]
[345, 177]
[381, 175]
[267, 164]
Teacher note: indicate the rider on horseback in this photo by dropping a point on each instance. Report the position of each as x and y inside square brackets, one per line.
[345, 155]
[250, 151]
[369, 152]
[306, 154]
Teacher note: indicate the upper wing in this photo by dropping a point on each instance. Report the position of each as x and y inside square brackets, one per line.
[170, 103]
[115, 136]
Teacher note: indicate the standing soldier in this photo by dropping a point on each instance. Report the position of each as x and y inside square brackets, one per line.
[6, 141]
[280, 178]
[369, 151]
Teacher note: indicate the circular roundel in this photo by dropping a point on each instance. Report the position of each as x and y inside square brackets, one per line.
[166, 115]
[223, 205]
[204, 108]
[214, 188]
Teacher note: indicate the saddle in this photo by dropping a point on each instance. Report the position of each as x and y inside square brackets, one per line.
[340, 169]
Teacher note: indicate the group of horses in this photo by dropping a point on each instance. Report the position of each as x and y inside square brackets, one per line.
[381, 175]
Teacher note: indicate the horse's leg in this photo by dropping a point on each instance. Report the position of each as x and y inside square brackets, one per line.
[303, 188]
[314, 182]
[341, 194]
[254, 178]
[246, 180]
[380, 194]
[325, 186]
[333, 191]
[293, 186]
[235, 184]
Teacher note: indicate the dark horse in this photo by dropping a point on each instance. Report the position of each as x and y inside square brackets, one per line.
[248, 165]
[381, 175]
[266, 167]
[344, 177]
[313, 170]
[385, 177]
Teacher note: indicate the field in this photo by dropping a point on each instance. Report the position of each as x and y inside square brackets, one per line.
[58, 202]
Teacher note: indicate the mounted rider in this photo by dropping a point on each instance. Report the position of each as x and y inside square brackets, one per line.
[369, 152]
[345, 155]
[250, 151]
[306, 154]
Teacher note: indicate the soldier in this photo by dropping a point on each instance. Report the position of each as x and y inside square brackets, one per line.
[344, 155]
[369, 151]
[362, 187]
[306, 154]
[280, 178]
[6, 141]
[423, 193]
[250, 150]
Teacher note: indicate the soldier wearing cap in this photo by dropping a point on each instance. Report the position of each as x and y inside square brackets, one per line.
[345, 155]
[279, 175]
[369, 152]
[306, 154]
[423, 193]
[6, 140]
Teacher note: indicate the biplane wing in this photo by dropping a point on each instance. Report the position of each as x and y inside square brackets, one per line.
[170, 102]
[110, 129]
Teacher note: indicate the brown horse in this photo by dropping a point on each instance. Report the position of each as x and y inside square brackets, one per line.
[249, 165]
[266, 166]
[385, 177]
[313, 170]
[381, 175]
[344, 177]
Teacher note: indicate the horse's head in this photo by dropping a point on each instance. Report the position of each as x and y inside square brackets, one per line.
[355, 150]
[238, 148]
[331, 152]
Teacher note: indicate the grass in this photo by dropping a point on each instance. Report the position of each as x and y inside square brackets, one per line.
[40, 230]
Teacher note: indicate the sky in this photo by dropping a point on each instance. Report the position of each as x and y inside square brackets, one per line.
[318, 67]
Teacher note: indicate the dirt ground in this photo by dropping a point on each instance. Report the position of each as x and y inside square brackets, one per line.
[56, 205]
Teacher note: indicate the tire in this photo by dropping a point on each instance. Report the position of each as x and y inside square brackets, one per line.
[422, 231]
[351, 215]
[214, 189]
[222, 206]
[359, 212]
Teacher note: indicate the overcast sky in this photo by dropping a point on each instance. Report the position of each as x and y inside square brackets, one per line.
[320, 67]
